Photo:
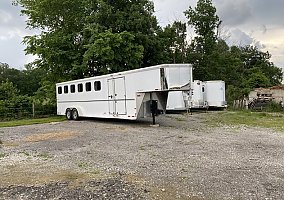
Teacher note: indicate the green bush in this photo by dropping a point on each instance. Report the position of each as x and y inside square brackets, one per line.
[273, 107]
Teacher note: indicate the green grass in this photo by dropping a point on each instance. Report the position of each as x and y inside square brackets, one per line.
[82, 165]
[254, 119]
[2, 155]
[31, 121]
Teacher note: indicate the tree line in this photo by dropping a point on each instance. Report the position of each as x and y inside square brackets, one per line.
[84, 38]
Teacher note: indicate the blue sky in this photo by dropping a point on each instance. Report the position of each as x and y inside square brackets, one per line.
[257, 22]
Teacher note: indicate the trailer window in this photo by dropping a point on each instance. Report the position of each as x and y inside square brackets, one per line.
[88, 86]
[97, 85]
[59, 90]
[80, 87]
[72, 88]
[66, 89]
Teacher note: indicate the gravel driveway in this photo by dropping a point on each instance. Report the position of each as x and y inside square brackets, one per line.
[184, 158]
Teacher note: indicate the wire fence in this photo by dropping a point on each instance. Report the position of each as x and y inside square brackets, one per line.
[26, 110]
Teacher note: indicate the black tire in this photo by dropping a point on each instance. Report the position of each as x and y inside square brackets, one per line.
[75, 114]
[68, 114]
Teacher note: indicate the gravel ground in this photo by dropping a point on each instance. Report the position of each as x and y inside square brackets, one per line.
[184, 158]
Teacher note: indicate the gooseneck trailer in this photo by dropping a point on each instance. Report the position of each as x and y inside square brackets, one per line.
[129, 95]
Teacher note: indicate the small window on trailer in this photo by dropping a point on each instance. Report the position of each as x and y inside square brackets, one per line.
[88, 87]
[72, 88]
[80, 87]
[65, 89]
[59, 90]
[97, 85]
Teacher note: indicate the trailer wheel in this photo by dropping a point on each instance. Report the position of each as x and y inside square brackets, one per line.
[68, 114]
[75, 114]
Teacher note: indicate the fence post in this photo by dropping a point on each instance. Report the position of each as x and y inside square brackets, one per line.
[33, 109]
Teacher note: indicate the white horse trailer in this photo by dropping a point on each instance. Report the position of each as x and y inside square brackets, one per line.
[126, 95]
[215, 94]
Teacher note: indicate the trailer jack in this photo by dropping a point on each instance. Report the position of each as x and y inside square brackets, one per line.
[154, 110]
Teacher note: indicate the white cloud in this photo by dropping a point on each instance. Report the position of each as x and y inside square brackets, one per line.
[5, 17]
[233, 13]
[168, 11]
[12, 31]
[239, 38]
[257, 22]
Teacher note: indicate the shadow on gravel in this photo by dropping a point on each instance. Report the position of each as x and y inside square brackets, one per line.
[140, 122]
[114, 188]
[165, 120]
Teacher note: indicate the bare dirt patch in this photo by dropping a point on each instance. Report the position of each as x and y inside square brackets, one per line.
[50, 136]
[184, 158]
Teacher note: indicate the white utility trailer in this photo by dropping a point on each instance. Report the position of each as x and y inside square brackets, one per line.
[198, 95]
[185, 100]
[178, 100]
[125, 95]
[215, 94]
[202, 94]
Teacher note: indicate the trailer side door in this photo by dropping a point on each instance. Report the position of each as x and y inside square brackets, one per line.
[117, 96]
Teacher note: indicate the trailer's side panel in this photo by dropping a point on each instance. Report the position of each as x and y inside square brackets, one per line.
[180, 75]
[140, 82]
[176, 101]
[90, 97]
[115, 95]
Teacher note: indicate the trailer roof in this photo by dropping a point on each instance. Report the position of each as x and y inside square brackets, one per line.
[128, 72]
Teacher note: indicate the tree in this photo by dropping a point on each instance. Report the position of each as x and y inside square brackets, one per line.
[26, 81]
[9, 74]
[133, 16]
[70, 28]
[205, 22]
[242, 68]
[256, 61]
[58, 44]
[7, 91]
[257, 80]
[249, 68]
[173, 41]
[112, 52]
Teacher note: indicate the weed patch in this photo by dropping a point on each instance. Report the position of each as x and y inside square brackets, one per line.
[2, 155]
[31, 121]
[254, 119]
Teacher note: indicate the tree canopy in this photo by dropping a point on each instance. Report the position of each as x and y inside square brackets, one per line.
[90, 37]
[242, 68]
[83, 38]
